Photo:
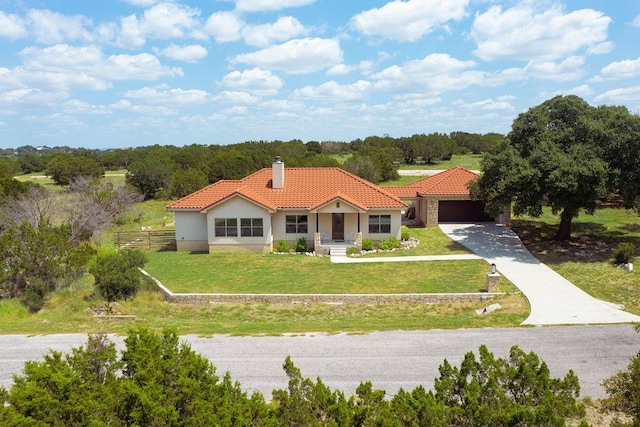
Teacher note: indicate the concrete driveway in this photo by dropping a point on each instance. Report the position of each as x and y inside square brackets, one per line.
[553, 299]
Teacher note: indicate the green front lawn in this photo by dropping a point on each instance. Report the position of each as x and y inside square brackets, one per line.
[183, 272]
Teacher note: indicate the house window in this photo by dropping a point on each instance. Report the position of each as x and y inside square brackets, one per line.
[226, 227]
[379, 224]
[251, 227]
[296, 224]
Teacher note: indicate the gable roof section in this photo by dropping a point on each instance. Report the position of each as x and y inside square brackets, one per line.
[336, 197]
[452, 182]
[304, 188]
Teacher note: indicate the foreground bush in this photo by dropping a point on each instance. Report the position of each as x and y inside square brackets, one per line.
[159, 381]
[117, 274]
[624, 253]
[623, 392]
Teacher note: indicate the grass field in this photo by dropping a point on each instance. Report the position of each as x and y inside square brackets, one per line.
[467, 161]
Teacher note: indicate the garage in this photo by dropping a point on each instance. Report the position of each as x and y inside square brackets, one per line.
[462, 211]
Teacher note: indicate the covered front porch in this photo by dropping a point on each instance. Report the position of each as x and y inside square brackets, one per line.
[338, 225]
[324, 245]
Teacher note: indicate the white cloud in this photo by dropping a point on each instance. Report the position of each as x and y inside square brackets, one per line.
[285, 28]
[269, 5]
[255, 81]
[600, 49]
[130, 34]
[224, 26]
[8, 79]
[76, 106]
[339, 70]
[190, 53]
[169, 20]
[435, 73]
[236, 97]
[582, 90]
[408, 20]
[525, 33]
[53, 27]
[61, 67]
[334, 92]
[61, 57]
[625, 69]
[143, 66]
[12, 26]
[238, 110]
[298, 56]
[282, 105]
[487, 105]
[625, 95]
[569, 69]
[126, 105]
[31, 97]
[142, 3]
[636, 21]
[165, 96]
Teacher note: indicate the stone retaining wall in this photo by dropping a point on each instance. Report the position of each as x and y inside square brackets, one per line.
[365, 299]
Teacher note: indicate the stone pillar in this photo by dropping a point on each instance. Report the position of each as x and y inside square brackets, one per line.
[432, 212]
[317, 241]
[493, 282]
[359, 240]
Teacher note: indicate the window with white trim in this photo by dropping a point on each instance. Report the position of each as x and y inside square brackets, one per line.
[380, 224]
[296, 224]
[251, 227]
[226, 227]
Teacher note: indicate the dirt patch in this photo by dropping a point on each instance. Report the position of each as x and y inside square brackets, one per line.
[539, 240]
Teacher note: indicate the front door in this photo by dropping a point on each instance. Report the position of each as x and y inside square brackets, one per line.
[337, 229]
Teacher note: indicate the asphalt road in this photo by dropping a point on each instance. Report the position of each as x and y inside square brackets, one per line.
[390, 360]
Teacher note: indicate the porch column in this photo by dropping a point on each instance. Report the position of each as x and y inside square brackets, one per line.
[317, 241]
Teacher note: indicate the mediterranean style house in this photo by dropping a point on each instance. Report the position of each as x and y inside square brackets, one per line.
[324, 205]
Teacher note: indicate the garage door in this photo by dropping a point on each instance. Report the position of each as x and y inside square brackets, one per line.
[462, 211]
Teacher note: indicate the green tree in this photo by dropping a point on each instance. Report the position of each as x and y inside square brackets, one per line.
[157, 381]
[39, 260]
[9, 167]
[619, 135]
[552, 157]
[117, 274]
[309, 403]
[151, 175]
[491, 391]
[64, 167]
[187, 181]
[79, 389]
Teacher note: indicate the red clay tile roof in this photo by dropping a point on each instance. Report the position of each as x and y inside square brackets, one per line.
[452, 182]
[305, 188]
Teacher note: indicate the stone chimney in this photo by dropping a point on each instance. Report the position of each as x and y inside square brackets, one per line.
[277, 180]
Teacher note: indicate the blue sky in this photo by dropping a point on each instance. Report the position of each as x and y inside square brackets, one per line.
[121, 73]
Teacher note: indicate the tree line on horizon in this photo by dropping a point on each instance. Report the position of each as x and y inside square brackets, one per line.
[171, 171]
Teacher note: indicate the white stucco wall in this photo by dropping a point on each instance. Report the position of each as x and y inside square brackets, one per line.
[396, 224]
[238, 207]
[191, 231]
